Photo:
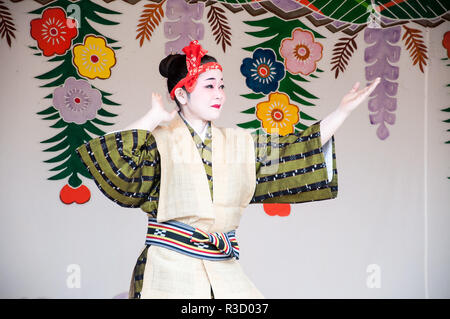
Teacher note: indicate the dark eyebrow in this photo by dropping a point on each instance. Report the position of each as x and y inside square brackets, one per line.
[213, 79]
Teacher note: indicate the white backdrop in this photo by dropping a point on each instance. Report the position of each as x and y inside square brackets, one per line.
[392, 210]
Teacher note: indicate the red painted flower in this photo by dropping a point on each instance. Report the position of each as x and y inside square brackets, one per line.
[54, 31]
[277, 209]
[69, 195]
[446, 42]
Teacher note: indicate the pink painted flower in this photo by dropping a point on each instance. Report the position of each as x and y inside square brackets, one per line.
[77, 101]
[301, 52]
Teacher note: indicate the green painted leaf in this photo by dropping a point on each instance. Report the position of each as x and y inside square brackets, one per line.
[58, 147]
[305, 116]
[58, 137]
[288, 85]
[251, 110]
[100, 122]
[253, 96]
[251, 124]
[103, 112]
[61, 175]
[75, 181]
[93, 129]
[301, 126]
[49, 110]
[61, 166]
[59, 124]
[60, 157]
[52, 117]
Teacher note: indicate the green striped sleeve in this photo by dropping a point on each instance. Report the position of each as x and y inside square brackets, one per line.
[125, 166]
[292, 168]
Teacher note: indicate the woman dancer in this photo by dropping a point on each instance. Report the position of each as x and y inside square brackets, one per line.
[194, 179]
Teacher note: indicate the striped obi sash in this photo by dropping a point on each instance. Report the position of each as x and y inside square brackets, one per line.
[192, 241]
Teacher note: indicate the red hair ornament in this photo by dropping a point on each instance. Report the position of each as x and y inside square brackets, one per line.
[194, 53]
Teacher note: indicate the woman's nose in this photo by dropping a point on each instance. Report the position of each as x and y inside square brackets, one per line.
[219, 93]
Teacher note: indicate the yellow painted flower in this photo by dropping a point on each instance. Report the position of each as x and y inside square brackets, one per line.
[94, 58]
[277, 114]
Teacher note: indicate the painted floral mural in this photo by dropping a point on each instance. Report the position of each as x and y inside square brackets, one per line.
[262, 72]
[77, 101]
[54, 32]
[94, 59]
[277, 114]
[286, 56]
[83, 54]
[301, 53]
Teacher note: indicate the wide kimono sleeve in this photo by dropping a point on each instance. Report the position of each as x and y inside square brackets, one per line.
[125, 166]
[294, 168]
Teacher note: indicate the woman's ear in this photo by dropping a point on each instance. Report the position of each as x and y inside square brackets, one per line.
[181, 96]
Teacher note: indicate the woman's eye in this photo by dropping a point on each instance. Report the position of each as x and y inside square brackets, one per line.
[222, 86]
[209, 86]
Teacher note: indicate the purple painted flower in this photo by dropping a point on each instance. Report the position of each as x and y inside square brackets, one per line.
[184, 24]
[77, 101]
[263, 71]
[380, 57]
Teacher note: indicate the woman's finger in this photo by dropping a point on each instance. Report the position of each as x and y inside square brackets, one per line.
[355, 87]
[372, 85]
[368, 89]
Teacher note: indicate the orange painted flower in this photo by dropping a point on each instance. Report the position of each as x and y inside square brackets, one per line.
[301, 52]
[53, 32]
[94, 59]
[277, 114]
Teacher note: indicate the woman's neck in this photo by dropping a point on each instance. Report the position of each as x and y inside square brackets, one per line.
[197, 124]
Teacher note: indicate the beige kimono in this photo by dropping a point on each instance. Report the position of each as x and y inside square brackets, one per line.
[168, 176]
[185, 197]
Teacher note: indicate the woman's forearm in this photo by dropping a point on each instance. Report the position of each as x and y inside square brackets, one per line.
[350, 101]
[154, 116]
[148, 122]
[330, 124]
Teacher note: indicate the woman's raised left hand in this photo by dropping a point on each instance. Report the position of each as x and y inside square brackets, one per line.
[352, 99]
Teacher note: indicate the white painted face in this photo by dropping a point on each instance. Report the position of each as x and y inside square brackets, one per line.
[206, 101]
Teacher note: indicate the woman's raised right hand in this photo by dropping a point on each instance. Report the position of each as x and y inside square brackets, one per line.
[159, 111]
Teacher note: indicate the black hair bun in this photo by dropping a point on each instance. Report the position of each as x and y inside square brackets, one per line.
[164, 65]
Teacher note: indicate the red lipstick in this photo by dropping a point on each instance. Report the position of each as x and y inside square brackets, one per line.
[217, 106]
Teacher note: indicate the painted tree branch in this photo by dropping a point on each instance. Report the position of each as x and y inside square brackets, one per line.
[6, 23]
[219, 24]
[416, 46]
[341, 54]
[150, 18]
